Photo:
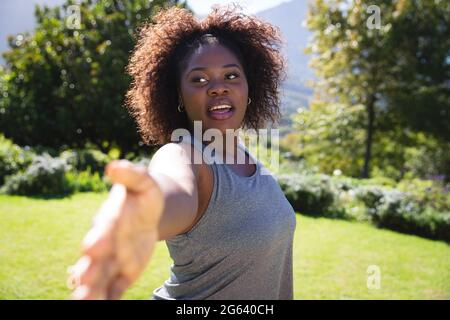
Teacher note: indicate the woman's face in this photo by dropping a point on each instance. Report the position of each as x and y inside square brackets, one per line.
[214, 77]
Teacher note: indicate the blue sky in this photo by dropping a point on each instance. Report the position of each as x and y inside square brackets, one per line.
[202, 7]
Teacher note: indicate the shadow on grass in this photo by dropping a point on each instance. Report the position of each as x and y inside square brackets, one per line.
[43, 196]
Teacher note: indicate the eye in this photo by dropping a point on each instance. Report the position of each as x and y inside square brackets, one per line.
[236, 75]
[197, 79]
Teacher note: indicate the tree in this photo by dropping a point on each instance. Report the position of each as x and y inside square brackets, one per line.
[64, 85]
[328, 137]
[357, 63]
[419, 72]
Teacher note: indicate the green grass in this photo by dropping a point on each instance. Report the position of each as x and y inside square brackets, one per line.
[39, 239]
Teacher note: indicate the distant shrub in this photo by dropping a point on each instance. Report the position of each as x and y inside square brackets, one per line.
[428, 193]
[86, 181]
[86, 159]
[44, 176]
[12, 158]
[398, 211]
[370, 196]
[344, 183]
[308, 194]
[379, 181]
[372, 200]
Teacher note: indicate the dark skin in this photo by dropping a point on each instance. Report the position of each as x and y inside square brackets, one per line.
[121, 241]
[221, 76]
[200, 87]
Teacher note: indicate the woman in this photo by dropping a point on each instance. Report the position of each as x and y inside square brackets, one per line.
[229, 228]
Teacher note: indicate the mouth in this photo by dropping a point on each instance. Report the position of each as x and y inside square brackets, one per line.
[221, 112]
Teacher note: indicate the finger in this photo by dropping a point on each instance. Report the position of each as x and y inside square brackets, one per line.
[111, 208]
[109, 269]
[117, 288]
[86, 292]
[96, 287]
[98, 242]
[94, 275]
[76, 271]
[134, 178]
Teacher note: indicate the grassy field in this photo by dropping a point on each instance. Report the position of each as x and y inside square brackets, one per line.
[39, 239]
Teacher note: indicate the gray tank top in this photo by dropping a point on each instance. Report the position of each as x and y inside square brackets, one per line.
[241, 248]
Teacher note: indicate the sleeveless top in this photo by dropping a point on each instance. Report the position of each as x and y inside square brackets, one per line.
[241, 248]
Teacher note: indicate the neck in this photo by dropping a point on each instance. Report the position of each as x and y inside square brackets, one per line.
[227, 151]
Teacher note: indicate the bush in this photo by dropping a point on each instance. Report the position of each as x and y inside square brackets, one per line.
[379, 181]
[86, 159]
[309, 194]
[86, 181]
[370, 196]
[12, 158]
[349, 198]
[427, 193]
[45, 176]
[344, 183]
[398, 211]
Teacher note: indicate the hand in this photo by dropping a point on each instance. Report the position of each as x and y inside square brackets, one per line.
[122, 239]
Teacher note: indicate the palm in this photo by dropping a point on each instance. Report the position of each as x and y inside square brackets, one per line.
[119, 245]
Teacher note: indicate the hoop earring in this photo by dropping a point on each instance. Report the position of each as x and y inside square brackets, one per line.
[180, 108]
[249, 101]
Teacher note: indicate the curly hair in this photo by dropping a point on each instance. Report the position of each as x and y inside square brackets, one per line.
[164, 46]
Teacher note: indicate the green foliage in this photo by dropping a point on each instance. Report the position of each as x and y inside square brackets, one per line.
[73, 171]
[379, 201]
[85, 181]
[45, 176]
[311, 195]
[394, 76]
[418, 67]
[329, 137]
[398, 211]
[12, 158]
[370, 195]
[64, 86]
[86, 159]
[427, 193]
[403, 61]
[405, 211]
[428, 158]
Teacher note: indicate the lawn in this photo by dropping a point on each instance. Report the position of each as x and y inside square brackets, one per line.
[40, 238]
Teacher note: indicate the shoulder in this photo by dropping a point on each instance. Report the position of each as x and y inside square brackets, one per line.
[181, 159]
[176, 155]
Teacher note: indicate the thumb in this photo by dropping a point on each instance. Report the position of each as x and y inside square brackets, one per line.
[135, 178]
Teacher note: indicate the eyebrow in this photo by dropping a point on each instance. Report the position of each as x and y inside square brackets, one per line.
[225, 66]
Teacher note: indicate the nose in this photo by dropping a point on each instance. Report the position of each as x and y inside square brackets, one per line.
[217, 88]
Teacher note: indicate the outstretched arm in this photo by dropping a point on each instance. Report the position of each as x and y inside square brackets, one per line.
[144, 205]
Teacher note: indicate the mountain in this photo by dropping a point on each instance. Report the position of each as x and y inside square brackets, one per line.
[289, 17]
